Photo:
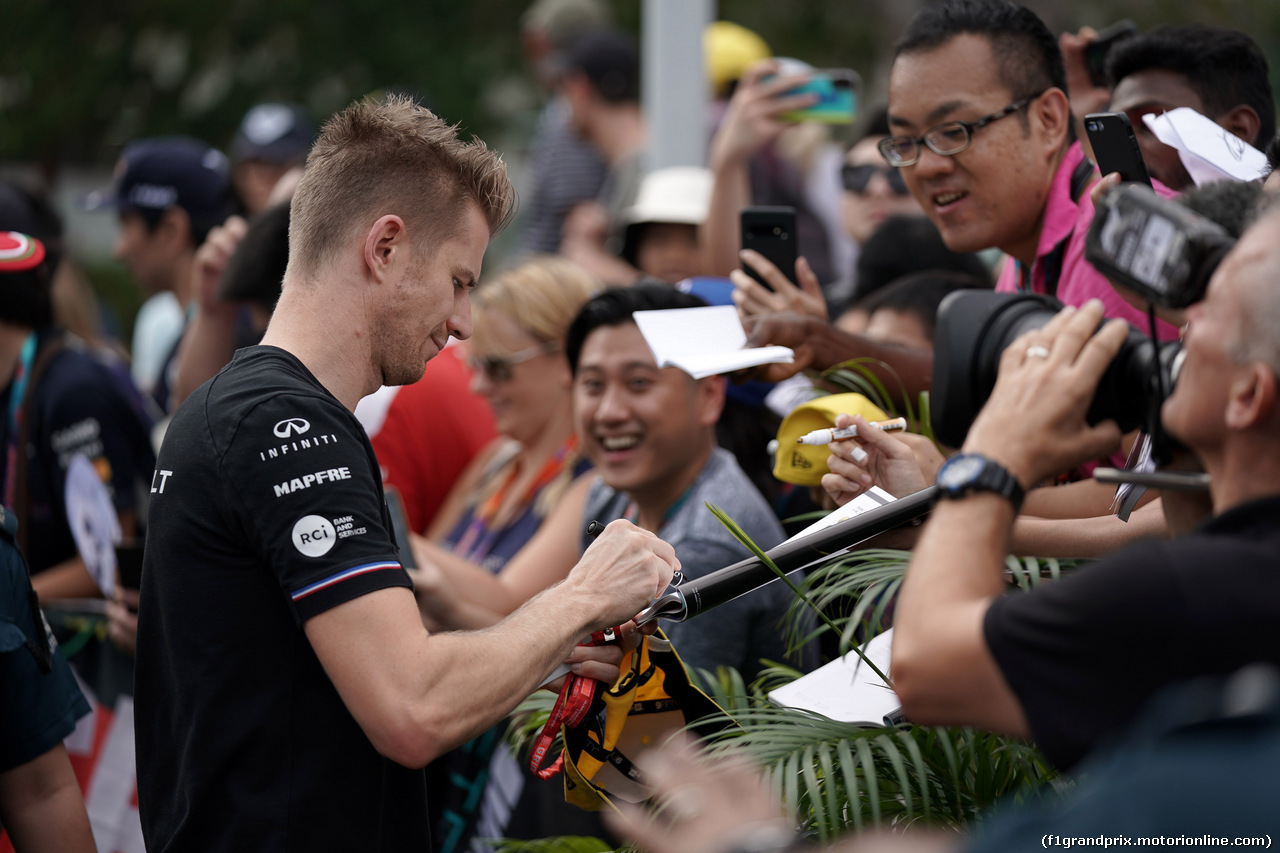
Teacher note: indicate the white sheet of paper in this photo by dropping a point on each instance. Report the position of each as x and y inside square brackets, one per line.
[703, 341]
[868, 500]
[846, 689]
[1209, 151]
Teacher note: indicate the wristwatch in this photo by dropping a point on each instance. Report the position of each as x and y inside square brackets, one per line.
[971, 472]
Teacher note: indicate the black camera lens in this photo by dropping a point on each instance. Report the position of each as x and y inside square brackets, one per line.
[975, 327]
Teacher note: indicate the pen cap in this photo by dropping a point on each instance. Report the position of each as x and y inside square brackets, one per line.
[803, 464]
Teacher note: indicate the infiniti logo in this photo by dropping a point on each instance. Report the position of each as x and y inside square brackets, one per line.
[291, 426]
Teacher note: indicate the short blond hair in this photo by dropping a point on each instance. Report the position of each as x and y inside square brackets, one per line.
[392, 156]
[541, 296]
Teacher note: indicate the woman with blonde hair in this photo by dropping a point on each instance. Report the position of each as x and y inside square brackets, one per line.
[516, 353]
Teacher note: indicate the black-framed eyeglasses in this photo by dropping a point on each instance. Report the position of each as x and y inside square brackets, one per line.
[856, 178]
[498, 368]
[946, 139]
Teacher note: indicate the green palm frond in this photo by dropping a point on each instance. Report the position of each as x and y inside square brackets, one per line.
[741, 536]
[835, 777]
[870, 578]
[527, 720]
[856, 375]
[1028, 572]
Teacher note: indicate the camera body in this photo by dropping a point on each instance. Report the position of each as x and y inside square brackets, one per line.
[1154, 246]
[974, 328]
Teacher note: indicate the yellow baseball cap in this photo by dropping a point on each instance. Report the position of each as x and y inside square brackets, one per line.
[728, 50]
[803, 464]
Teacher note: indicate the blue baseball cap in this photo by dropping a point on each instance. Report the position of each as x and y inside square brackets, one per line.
[274, 133]
[162, 172]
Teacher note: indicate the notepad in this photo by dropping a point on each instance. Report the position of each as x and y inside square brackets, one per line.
[704, 341]
[873, 498]
[846, 689]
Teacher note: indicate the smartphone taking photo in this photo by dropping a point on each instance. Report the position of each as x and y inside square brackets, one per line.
[837, 91]
[1115, 147]
[771, 232]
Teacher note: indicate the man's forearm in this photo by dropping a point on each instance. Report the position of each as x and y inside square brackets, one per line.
[1085, 537]
[531, 643]
[941, 668]
[206, 347]
[908, 368]
[68, 579]
[718, 235]
[416, 695]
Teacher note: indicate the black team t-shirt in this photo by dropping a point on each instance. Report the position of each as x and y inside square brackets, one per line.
[1084, 654]
[266, 509]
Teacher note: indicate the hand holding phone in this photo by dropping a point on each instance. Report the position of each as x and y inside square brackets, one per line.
[1096, 51]
[771, 232]
[837, 92]
[1115, 146]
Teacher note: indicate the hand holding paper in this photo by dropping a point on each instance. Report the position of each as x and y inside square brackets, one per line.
[704, 341]
[1209, 151]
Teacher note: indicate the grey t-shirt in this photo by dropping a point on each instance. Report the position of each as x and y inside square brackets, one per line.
[747, 629]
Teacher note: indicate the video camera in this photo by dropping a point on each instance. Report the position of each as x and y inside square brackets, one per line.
[1160, 249]
[1154, 246]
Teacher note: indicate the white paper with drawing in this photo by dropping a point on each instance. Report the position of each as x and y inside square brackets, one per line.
[1209, 151]
[704, 341]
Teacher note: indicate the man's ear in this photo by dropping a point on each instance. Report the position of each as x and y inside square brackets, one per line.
[1052, 112]
[1242, 120]
[710, 399]
[175, 227]
[1251, 399]
[384, 245]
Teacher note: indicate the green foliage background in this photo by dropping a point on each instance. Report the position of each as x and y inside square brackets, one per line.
[80, 77]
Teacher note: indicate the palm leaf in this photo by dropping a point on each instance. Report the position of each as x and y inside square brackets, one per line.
[857, 375]
[741, 536]
[836, 777]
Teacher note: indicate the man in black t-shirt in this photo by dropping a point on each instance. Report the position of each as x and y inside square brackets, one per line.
[287, 694]
[1072, 662]
[60, 399]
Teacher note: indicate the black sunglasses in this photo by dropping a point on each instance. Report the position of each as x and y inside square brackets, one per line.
[499, 368]
[856, 178]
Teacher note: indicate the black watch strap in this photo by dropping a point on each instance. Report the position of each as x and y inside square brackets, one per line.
[967, 473]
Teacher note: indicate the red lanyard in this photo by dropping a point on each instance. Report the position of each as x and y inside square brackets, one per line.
[571, 707]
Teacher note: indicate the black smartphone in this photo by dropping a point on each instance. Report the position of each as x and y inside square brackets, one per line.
[1096, 51]
[400, 527]
[1115, 147]
[771, 231]
[129, 564]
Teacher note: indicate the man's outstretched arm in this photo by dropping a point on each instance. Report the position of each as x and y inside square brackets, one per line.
[819, 345]
[416, 695]
[1033, 426]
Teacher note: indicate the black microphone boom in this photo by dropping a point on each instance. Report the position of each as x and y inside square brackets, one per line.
[699, 595]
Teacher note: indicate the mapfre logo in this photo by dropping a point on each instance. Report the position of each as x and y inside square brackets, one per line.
[314, 536]
[290, 427]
